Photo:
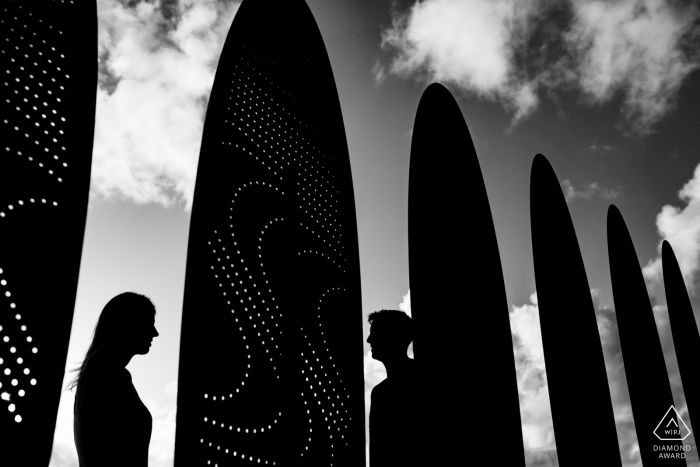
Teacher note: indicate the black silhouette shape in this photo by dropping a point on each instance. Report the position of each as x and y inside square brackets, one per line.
[111, 425]
[47, 105]
[445, 184]
[393, 433]
[686, 338]
[581, 408]
[645, 369]
[270, 357]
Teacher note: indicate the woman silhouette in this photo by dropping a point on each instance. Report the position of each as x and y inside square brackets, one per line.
[111, 425]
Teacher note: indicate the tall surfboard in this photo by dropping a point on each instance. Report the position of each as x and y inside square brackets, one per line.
[47, 107]
[684, 328]
[572, 348]
[445, 182]
[645, 369]
[271, 367]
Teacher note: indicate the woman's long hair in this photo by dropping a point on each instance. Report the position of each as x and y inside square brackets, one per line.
[117, 315]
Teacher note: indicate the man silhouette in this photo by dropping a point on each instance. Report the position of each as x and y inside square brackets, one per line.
[392, 415]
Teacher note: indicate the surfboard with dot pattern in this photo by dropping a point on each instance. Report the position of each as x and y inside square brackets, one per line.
[271, 368]
[47, 106]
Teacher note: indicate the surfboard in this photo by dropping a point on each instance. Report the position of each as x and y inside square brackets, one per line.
[271, 368]
[47, 108]
[572, 348]
[645, 369]
[445, 256]
[683, 327]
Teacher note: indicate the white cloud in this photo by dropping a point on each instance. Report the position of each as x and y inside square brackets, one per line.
[171, 389]
[156, 73]
[506, 50]
[596, 148]
[405, 304]
[466, 42]
[681, 227]
[161, 450]
[535, 411]
[593, 189]
[633, 45]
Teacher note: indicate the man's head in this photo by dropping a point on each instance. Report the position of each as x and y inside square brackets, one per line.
[391, 332]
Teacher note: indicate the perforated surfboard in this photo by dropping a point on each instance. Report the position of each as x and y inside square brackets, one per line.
[271, 368]
[47, 107]
[455, 414]
[686, 338]
[642, 354]
[570, 336]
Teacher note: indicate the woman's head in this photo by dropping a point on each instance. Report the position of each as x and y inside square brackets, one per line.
[126, 326]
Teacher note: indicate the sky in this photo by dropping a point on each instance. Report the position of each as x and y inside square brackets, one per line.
[606, 90]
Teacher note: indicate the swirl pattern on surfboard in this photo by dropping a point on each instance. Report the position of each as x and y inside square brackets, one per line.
[47, 106]
[273, 260]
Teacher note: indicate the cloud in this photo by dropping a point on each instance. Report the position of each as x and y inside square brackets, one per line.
[508, 50]
[617, 382]
[161, 450]
[171, 389]
[156, 68]
[681, 227]
[593, 189]
[635, 46]
[405, 304]
[379, 73]
[465, 42]
[596, 148]
[535, 411]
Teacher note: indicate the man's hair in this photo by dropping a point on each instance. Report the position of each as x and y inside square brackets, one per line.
[397, 321]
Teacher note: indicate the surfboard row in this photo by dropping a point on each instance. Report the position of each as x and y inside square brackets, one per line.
[448, 336]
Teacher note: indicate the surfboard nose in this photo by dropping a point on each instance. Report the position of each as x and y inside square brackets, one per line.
[614, 218]
[540, 172]
[282, 30]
